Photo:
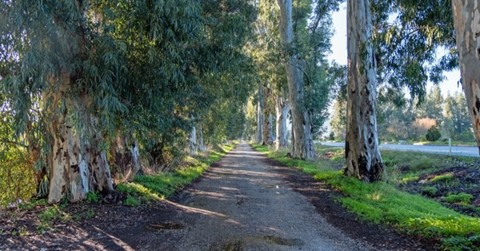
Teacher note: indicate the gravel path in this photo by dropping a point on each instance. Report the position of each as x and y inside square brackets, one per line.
[243, 204]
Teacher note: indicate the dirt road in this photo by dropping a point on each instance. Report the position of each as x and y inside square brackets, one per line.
[243, 204]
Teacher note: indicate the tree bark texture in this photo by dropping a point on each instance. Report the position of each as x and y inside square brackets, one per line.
[201, 144]
[361, 145]
[271, 134]
[295, 83]
[193, 146]
[466, 15]
[126, 157]
[282, 108]
[260, 114]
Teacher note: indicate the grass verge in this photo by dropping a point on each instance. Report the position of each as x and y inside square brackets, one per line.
[383, 202]
[146, 188]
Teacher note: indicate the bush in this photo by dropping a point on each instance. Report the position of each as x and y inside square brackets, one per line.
[433, 134]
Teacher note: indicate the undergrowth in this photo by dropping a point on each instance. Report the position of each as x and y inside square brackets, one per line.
[145, 188]
[383, 202]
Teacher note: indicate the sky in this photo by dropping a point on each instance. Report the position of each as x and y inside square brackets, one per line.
[339, 51]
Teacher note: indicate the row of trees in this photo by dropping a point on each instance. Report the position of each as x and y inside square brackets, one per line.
[91, 91]
[410, 120]
[394, 44]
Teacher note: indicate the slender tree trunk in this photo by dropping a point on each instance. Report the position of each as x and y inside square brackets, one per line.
[361, 145]
[466, 15]
[281, 108]
[266, 131]
[201, 145]
[193, 140]
[271, 135]
[309, 145]
[260, 114]
[295, 83]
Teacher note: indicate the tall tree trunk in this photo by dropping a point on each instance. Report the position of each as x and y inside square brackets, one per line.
[281, 108]
[466, 15]
[361, 145]
[295, 83]
[260, 114]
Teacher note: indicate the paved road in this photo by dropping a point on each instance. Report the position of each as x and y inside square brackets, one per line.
[456, 150]
[243, 204]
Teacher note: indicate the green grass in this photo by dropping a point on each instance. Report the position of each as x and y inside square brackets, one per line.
[146, 188]
[383, 202]
[442, 177]
[461, 198]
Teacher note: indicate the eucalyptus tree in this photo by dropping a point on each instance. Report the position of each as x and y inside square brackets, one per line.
[466, 16]
[408, 36]
[59, 54]
[361, 144]
[302, 141]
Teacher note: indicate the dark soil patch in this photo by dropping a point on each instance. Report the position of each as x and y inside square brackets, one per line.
[459, 179]
[324, 198]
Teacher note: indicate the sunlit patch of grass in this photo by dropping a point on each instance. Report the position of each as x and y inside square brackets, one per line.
[442, 177]
[382, 202]
[409, 179]
[461, 198]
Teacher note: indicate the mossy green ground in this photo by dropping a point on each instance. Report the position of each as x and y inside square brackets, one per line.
[383, 202]
[156, 187]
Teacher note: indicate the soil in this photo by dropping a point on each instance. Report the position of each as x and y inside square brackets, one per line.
[244, 202]
[461, 178]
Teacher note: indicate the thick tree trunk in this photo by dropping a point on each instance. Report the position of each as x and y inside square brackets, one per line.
[295, 83]
[466, 15]
[65, 176]
[281, 108]
[260, 114]
[76, 164]
[361, 145]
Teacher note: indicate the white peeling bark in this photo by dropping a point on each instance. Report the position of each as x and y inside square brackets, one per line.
[66, 178]
[466, 15]
[361, 145]
[281, 109]
[295, 84]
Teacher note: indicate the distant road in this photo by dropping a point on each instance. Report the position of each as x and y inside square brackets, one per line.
[470, 151]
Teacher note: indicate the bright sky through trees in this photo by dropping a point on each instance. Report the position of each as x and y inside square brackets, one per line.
[339, 51]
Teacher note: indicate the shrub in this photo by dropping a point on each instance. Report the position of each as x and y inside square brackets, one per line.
[433, 134]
